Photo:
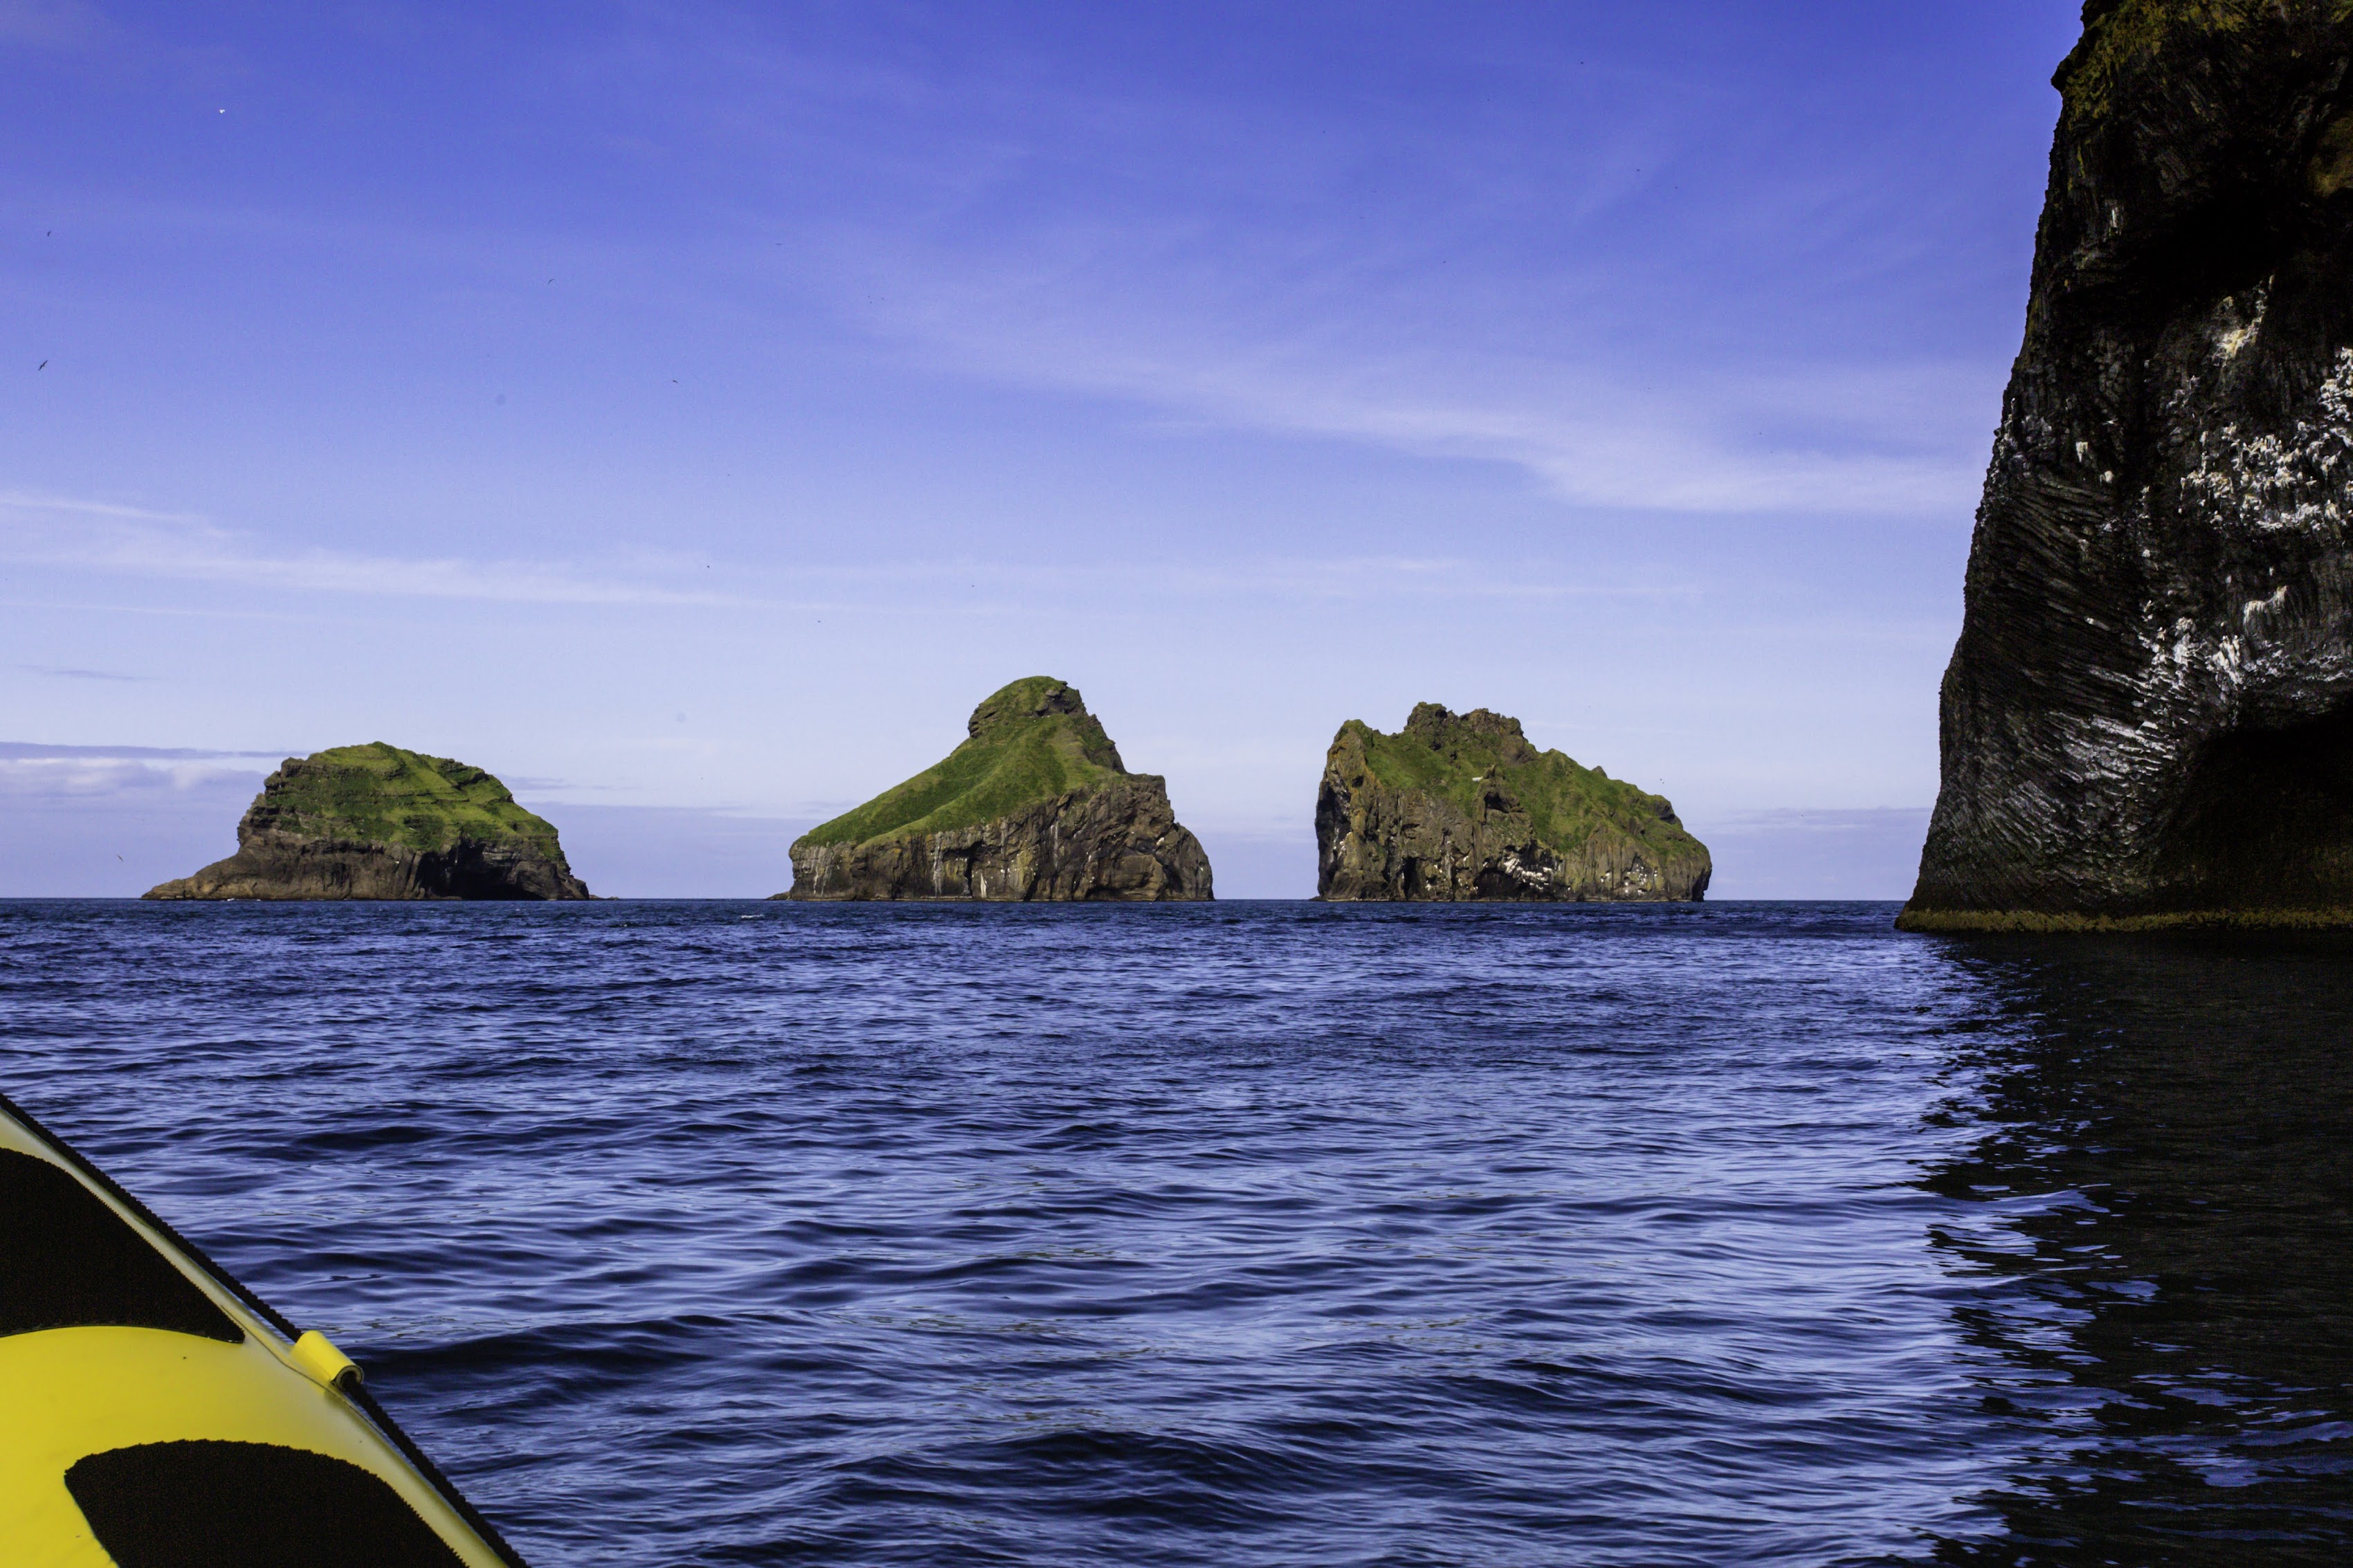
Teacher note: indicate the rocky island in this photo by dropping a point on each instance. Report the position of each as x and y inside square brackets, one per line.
[1035, 804]
[1464, 806]
[377, 822]
[2149, 718]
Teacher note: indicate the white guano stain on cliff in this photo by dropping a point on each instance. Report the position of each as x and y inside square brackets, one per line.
[2270, 483]
[2294, 480]
[2227, 660]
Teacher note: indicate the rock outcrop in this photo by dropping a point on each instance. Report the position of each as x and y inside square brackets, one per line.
[2149, 718]
[1463, 807]
[1035, 804]
[377, 822]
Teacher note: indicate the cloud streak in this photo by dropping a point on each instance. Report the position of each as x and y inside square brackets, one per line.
[30, 749]
[64, 531]
[54, 530]
[1587, 434]
[1500, 301]
[71, 780]
[66, 672]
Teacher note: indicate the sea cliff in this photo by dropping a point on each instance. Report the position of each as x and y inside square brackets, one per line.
[377, 822]
[1035, 804]
[2148, 716]
[1464, 806]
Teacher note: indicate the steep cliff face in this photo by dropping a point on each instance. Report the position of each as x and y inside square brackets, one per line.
[1035, 804]
[2149, 718]
[377, 822]
[1463, 807]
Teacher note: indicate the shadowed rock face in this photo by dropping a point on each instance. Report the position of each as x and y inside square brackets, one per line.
[1463, 806]
[377, 822]
[1035, 804]
[2149, 718]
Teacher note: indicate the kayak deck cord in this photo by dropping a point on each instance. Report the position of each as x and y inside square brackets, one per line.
[358, 1393]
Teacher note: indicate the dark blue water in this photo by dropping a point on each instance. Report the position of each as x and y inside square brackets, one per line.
[1268, 1234]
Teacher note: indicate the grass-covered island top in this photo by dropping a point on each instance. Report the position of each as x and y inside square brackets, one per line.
[379, 822]
[1029, 743]
[1034, 804]
[385, 795]
[1471, 759]
[1465, 806]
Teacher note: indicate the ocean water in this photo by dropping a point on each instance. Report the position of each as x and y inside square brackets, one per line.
[1262, 1234]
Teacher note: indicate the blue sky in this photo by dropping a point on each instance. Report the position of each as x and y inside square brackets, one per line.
[690, 411]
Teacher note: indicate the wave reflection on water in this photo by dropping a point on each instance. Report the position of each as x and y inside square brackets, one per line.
[1255, 1234]
[2162, 1184]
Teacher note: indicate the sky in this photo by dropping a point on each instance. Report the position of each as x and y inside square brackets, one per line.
[689, 413]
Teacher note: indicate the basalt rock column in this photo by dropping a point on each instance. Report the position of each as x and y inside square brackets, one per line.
[2149, 718]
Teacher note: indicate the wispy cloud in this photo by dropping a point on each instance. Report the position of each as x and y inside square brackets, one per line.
[993, 586]
[35, 773]
[21, 750]
[1108, 315]
[65, 780]
[1710, 443]
[60, 531]
[66, 672]
[22, 500]
[1220, 261]
[111, 537]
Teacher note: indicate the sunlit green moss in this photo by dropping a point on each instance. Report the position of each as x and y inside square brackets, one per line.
[1031, 742]
[1480, 766]
[381, 794]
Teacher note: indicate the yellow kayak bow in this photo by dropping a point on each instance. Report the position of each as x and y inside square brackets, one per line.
[156, 1414]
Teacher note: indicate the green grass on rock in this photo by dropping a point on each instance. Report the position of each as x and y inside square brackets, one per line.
[382, 793]
[1480, 760]
[1031, 743]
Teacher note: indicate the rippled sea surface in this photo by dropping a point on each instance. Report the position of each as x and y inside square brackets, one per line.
[1262, 1234]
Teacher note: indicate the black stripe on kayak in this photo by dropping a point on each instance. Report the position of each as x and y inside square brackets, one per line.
[248, 1505]
[188, 1249]
[67, 1261]
[358, 1395]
